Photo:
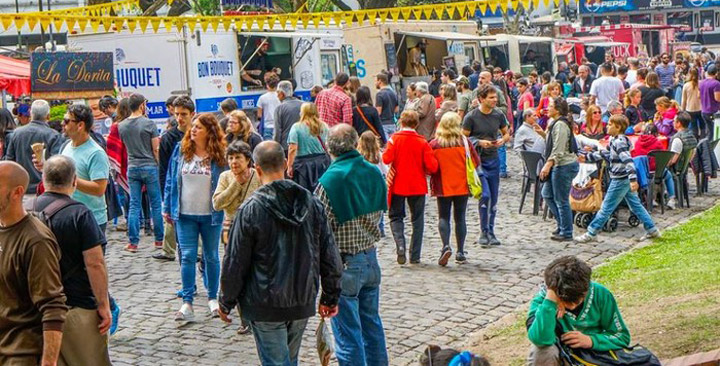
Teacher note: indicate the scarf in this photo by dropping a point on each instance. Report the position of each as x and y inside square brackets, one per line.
[354, 187]
[573, 148]
[117, 154]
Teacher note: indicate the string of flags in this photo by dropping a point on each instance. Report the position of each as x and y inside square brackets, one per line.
[99, 17]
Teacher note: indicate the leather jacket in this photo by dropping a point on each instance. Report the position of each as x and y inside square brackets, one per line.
[281, 248]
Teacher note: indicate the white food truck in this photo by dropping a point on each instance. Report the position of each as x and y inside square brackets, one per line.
[207, 66]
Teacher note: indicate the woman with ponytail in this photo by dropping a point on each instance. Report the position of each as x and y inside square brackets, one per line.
[634, 111]
[665, 116]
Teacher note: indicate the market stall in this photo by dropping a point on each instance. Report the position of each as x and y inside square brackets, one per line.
[14, 77]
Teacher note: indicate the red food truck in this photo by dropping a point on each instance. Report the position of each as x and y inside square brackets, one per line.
[624, 40]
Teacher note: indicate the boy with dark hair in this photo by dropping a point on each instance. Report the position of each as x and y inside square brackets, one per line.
[584, 311]
[623, 182]
[684, 139]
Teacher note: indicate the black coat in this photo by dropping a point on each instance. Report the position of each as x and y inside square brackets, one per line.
[281, 249]
[704, 160]
[577, 90]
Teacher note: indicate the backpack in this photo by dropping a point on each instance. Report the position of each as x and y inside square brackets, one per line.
[45, 216]
[631, 356]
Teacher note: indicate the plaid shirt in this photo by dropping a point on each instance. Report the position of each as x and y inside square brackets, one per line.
[356, 235]
[334, 106]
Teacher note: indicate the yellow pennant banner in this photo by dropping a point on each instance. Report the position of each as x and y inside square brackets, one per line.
[92, 17]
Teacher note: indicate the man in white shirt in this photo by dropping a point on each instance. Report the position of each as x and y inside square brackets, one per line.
[634, 64]
[266, 105]
[607, 88]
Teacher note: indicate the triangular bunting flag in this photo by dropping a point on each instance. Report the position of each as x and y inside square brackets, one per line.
[58, 23]
[316, 18]
[282, 19]
[143, 23]
[557, 3]
[406, 13]
[155, 24]
[514, 4]
[94, 24]
[116, 8]
[45, 24]
[383, 15]
[482, 6]
[132, 24]
[107, 23]
[293, 20]
[349, 18]
[504, 6]
[305, 19]
[428, 12]
[214, 22]
[327, 19]
[179, 24]
[526, 4]
[536, 4]
[191, 23]
[417, 13]
[337, 18]
[31, 22]
[395, 15]
[471, 8]
[372, 16]
[226, 22]
[546, 3]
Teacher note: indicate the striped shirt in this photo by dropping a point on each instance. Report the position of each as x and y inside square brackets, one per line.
[618, 155]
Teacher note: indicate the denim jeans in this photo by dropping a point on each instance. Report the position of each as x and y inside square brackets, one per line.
[458, 204]
[697, 124]
[278, 343]
[389, 130]
[488, 204]
[137, 177]
[709, 125]
[669, 183]
[189, 229]
[358, 329]
[618, 190]
[556, 192]
[502, 157]
[268, 133]
[397, 225]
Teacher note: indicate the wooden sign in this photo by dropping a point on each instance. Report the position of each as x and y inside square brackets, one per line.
[71, 75]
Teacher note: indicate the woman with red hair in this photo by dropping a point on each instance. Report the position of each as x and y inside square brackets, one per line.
[192, 177]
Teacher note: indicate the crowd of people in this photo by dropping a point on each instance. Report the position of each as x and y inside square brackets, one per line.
[298, 197]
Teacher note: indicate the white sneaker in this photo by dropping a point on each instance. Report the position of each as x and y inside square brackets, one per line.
[671, 203]
[185, 314]
[585, 238]
[654, 234]
[214, 306]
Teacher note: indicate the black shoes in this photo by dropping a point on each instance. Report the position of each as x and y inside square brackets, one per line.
[558, 237]
[460, 258]
[163, 257]
[484, 239]
[493, 240]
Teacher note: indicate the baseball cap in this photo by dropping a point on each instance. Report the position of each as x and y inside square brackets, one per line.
[463, 79]
[23, 110]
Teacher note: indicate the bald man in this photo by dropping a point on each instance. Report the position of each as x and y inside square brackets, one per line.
[31, 298]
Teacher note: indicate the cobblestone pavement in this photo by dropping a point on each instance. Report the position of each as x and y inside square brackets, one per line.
[420, 304]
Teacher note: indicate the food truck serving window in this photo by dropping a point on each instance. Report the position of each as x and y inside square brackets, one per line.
[538, 54]
[262, 55]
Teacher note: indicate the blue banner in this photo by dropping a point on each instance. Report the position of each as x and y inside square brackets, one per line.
[606, 6]
[65, 75]
[701, 3]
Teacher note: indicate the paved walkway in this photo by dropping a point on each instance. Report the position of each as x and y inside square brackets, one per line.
[420, 304]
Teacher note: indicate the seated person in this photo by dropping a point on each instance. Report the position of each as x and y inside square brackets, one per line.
[594, 127]
[647, 142]
[684, 139]
[665, 116]
[634, 112]
[584, 311]
[613, 108]
[529, 136]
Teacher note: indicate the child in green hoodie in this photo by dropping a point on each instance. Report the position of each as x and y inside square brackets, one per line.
[586, 311]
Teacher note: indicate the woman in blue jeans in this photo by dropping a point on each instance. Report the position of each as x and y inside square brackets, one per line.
[560, 168]
[192, 177]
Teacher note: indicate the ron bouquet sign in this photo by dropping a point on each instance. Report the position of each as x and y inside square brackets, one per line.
[71, 75]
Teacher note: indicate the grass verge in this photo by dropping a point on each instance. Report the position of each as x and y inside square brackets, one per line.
[668, 293]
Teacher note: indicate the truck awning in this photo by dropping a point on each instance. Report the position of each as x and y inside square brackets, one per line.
[289, 34]
[606, 44]
[442, 36]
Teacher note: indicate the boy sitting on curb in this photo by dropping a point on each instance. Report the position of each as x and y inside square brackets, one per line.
[585, 311]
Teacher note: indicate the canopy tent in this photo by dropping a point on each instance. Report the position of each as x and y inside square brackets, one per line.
[14, 76]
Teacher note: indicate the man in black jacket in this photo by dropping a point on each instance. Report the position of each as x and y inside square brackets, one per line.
[280, 248]
[581, 86]
[184, 110]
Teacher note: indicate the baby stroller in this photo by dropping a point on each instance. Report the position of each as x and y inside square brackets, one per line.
[586, 197]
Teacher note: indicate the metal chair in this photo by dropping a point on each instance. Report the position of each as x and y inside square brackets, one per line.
[662, 159]
[531, 161]
[680, 177]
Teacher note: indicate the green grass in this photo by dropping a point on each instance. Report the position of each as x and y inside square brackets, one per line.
[685, 260]
[668, 293]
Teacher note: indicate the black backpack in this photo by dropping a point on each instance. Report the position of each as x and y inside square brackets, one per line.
[45, 216]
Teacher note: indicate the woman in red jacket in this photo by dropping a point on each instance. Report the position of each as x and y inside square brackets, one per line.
[449, 183]
[410, 158]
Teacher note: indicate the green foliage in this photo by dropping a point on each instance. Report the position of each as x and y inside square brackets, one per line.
[57, 113]
[206, 7]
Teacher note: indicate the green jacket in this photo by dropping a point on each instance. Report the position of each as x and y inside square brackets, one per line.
[599, 319]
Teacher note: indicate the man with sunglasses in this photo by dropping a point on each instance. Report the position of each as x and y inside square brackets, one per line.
[666, 73]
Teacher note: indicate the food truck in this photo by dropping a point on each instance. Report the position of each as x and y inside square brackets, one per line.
[212, 66]
[374, 48]
[519, 53]
[644, 40]
[573, 49]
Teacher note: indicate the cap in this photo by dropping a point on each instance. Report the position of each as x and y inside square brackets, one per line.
[508, 72]
[23, 110]
[712, 70]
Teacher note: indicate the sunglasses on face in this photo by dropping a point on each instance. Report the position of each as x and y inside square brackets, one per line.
[596, 112]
